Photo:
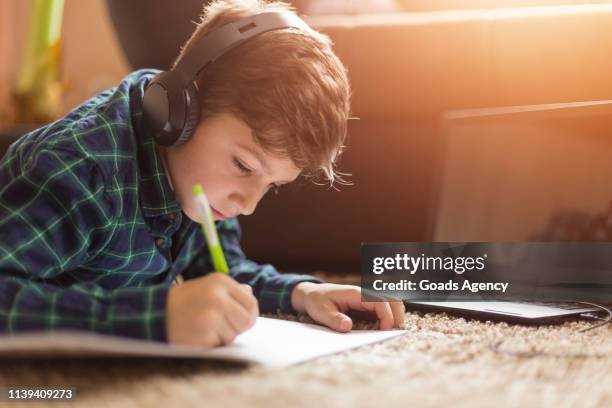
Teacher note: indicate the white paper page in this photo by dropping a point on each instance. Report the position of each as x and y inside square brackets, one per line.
[270, 342]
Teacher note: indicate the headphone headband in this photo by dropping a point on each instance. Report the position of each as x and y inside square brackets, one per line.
[218, 42]
[170, 102]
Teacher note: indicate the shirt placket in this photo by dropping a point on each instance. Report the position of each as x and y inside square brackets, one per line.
[166, 225]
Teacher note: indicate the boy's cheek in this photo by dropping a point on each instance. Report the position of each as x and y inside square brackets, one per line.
[191, 216]
[190, 211]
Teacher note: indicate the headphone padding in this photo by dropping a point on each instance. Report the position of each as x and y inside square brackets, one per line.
[193, 114]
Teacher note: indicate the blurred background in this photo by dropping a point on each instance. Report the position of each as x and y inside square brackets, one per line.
[478, 119]
[101, 40]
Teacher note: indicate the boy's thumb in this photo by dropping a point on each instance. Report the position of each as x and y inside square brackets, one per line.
[340, 322]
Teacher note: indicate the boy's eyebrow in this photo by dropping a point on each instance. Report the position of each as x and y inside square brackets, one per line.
[255, 153]
[261, 160]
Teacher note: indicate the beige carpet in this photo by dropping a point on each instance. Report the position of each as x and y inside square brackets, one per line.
[442, 360]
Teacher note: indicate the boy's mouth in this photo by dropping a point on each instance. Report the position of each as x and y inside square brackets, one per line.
[217, 214]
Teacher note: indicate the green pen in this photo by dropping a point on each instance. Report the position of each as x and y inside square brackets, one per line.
[209, 230]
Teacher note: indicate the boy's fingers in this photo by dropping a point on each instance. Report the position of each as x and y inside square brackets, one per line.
[385, 315]
[221, 333]
[399, 312]
[340, 322]
[239, 318]
[389, 314]
[383, 311]
[245, 297]
[225, 331]
[329, 315]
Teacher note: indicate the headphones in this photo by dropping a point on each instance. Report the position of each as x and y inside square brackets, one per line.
[170, 102]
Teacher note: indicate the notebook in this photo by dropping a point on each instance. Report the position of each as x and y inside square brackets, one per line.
[270, 342]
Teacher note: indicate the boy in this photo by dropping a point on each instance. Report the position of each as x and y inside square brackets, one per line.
[97, 220]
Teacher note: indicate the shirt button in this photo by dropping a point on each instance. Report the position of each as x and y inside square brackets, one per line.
[159, 242]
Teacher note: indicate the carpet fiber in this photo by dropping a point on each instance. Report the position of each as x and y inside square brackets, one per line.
[441, 360]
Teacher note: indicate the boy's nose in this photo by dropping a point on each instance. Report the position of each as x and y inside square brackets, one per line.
[248, 203]
[249, 208]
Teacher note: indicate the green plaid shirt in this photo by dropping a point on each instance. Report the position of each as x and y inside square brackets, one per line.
[91, 234]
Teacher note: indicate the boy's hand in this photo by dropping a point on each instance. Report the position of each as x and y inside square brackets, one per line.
[327, 303]
[209, 311]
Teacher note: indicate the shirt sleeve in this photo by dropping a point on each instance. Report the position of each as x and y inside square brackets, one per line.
[55, 216]
[271, 288]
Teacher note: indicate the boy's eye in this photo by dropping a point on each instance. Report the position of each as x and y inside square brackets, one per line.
[241, 167]
[245, 170]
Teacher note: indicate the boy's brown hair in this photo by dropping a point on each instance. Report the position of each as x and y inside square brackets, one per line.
[287, 85]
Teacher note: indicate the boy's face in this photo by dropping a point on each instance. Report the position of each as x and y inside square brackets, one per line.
[234, 171]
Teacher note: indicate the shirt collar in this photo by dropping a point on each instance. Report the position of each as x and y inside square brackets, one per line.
[155, 194]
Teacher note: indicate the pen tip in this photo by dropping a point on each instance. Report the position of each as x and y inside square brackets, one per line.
[197, 189]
